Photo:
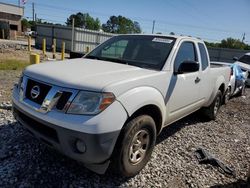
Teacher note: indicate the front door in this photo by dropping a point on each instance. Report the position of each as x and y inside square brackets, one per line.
[183, 92]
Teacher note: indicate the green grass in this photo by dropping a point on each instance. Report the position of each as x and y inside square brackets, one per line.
[13, 64]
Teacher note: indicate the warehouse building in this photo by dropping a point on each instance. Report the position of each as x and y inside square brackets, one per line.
[10, 20]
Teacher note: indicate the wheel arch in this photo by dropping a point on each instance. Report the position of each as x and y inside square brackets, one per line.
[147, 101]
[152, 111]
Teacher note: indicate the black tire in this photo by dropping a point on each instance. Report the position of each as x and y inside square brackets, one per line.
[212, 111]
[227, 95]
[243, 90]
[124, 162]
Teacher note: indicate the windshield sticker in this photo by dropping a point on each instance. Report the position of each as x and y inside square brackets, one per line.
[163, 40]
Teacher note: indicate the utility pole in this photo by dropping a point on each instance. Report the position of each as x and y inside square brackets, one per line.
[35, 17]
[243, 38]
[19, 4]
[153, 28]
[72, 36]
[33, 11]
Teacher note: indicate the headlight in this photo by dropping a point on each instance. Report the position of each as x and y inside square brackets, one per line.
[90, 102]
[19, 82]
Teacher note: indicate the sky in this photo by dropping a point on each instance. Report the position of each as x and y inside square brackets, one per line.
[211, 20]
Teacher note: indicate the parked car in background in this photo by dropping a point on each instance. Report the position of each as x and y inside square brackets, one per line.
[244, 63]
[30, 33]
[237, 81]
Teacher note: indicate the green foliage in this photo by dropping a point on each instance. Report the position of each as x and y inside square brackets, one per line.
[25, 23]
[13, 64]
[211, 44]
[84, 20]
[229, 43]
[172, 33]
[121, 25]
[233, 43]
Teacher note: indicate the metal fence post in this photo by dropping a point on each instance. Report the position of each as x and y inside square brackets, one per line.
[44, 46]
[54, 48]
[63, 51]
[73, 34]
[29, 43]
[3, 34]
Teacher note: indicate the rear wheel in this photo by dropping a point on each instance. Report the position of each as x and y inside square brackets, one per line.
[243, 90]
[212, 111]
[134, 146]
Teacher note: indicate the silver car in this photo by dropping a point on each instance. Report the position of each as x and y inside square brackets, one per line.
[244, 63]
[237, 81]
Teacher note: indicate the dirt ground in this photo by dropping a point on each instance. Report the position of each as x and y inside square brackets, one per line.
[19, 50]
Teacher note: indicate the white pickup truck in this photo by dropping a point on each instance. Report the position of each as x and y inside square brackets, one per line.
[107, 108]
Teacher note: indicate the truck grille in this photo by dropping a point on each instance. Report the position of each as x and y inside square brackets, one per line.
[45, 97]
[44, 90]
[63, 100]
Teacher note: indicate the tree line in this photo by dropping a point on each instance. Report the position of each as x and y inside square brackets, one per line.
[115, 24]
[229, 43]
[122, 25]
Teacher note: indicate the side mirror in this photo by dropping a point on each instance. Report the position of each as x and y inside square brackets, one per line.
[235, 58]
[188, 67]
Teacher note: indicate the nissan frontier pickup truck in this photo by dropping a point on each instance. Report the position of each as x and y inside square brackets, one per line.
[107, 108]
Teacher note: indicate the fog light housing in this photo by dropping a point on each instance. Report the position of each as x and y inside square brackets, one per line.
[80, 146]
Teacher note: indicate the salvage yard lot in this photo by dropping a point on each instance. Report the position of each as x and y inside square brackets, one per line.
[26, 162]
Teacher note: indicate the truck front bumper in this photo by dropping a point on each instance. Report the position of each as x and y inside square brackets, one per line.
[86, 143]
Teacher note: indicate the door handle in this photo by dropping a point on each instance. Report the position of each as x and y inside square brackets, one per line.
[197, 80]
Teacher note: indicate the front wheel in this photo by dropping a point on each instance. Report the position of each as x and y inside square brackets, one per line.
[211, 111]
[134, 146]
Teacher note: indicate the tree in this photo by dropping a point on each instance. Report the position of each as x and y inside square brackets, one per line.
[121, 25]
[232, 43]
[25, 24]
[229, 43]
[172, 33]
[84, 21]
[211, 44]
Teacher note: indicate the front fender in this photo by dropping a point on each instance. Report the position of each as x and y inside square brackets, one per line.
[139, 97]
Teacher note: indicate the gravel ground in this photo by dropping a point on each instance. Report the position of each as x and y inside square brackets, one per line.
[25, 162]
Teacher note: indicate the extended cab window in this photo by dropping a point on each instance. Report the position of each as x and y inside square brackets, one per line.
[186, 52]
[204, 59]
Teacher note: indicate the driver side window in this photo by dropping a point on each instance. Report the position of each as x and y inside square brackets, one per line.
[116, 50]
[186, 52]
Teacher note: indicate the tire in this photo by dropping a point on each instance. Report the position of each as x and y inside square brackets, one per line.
[212, 111]
[243, 90]
[227, 96]
[139, 134]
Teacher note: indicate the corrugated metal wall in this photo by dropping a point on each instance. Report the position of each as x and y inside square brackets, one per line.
[225, 54]
[83, 38]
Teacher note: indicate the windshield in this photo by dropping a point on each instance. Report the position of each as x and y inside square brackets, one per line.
[143, 51]
[245, 59]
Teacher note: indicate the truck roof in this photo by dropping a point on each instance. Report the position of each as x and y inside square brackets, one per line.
[172, 36]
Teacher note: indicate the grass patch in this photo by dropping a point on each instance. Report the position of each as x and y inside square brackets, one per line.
[13, 64]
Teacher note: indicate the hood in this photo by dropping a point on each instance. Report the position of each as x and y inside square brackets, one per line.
[84, 74]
